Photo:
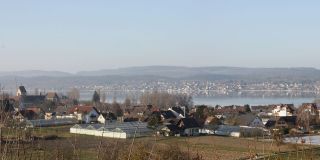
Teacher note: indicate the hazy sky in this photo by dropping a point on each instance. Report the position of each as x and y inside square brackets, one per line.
[73, 35]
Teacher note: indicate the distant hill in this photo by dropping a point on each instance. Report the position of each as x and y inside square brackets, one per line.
[181, 72]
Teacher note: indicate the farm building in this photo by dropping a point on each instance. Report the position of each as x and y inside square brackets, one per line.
[50, 123]
[235, 131]
[113, 130]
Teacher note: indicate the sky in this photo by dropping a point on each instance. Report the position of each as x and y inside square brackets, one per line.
[77, 35]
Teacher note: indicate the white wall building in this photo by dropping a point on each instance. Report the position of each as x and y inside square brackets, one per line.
[113, 130]
[282, 111]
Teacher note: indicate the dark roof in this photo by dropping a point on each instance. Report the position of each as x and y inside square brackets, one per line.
[22, 89]
[270, 123]
[173, 128]
[245, 119]
[109, 116]
[178, 110]
[289, 120]
[168, 115]
[291, 107]
[32, 99]
[188, 123]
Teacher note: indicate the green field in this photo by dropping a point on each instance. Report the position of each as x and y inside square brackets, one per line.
[71, 146]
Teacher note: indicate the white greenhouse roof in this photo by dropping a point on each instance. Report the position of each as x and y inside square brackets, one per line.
[127, 127]
[54, 122]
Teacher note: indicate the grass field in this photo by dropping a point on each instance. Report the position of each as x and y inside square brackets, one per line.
[209, 147]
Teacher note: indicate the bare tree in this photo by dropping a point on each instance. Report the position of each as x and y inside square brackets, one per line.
[307, 117]
[74, 94]
[127, 102]
[103, 97]
[165, 100]
[116, 108]
[36, 91]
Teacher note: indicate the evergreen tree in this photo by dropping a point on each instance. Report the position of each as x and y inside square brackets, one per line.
[96, 97]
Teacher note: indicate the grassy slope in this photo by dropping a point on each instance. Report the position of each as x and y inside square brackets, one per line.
[210, 147]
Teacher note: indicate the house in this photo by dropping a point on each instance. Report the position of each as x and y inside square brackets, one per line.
[39, 111]
[50, 115]
[150, 110]
[168, 117]
[227, 110]
[53, 96]
[249, 120]
[282, 122]
[134, 112]
[312, 108]
[283, 110]
[165, 117]
[278, 110]
[178, 111]
[85, 114]
[61, 110]
[262, 110]
[21, 91]
[240, 131]
[24, 115]
[169, 130]
[26, 100]
[138, 111]
[106, 117]
[210, 125]
[212, 120]
[226, 130]
[30, 100]
[188, 127]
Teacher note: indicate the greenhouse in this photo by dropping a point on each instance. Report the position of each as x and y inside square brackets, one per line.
[50, 123]
[113, 130]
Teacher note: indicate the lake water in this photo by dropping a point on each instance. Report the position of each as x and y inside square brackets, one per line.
[251, 99]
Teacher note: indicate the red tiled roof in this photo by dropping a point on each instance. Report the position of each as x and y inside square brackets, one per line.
[34, 109]
[81, 109]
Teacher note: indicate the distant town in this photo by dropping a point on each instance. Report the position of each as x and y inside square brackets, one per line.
[194, 88]
[155, 114]
[205, 81]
